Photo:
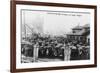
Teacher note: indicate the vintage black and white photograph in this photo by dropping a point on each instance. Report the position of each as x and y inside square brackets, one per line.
[52, 36]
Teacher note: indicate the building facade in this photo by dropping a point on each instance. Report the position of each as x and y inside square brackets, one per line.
[80, 33]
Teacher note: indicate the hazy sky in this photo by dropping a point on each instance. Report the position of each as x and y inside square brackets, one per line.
[54, 23]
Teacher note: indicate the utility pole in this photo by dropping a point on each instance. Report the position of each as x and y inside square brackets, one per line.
[24, 25]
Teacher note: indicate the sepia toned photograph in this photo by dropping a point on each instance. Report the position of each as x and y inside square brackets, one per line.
[48, 36]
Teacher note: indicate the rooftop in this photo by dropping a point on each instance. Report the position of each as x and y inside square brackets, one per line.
[78, 33]
[86, 26]
[81, 28]
[77, 27]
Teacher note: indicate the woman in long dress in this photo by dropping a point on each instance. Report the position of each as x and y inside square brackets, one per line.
[67, 52]
[36, 50]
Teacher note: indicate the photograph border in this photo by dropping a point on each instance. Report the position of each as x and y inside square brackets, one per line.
[13, 35]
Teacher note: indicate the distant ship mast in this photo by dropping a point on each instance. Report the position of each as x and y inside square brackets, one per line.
[26, 26]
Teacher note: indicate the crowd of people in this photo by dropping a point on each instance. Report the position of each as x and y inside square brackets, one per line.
[57, 47]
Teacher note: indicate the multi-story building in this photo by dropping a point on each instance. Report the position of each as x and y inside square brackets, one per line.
[80, 33]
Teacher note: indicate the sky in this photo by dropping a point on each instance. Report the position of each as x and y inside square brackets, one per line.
[53, 23]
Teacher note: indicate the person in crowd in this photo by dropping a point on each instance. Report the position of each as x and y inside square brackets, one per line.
[27, 50]
[74, 52]
[36, 49]
[87, 51]
[67, 52]
[79, 47]
[57, 47]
